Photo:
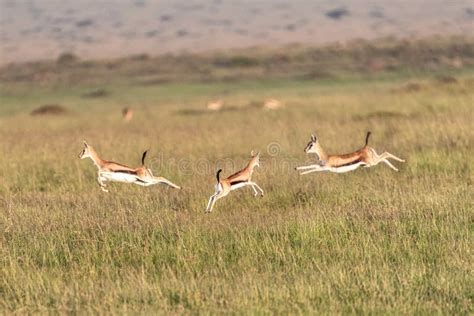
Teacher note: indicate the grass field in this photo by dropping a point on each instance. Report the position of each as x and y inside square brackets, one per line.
[370, 241]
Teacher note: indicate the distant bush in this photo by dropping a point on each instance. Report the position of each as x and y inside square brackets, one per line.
[236, 61]
[67, 58]
[97, 93]
[337, 14]
[292, 61]
[140, 57]
[84, 23]
[447, 79]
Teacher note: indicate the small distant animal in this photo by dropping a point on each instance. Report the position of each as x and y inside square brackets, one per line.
[237, 180]
[366, 156]
[112, 171]
[272, 104]
[127, 114]
[215, 105]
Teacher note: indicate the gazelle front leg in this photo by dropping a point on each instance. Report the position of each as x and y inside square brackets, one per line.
[383, 158]
[389, 155]
[309, 171]
[390, 165]
[166, 181]
[307, 167]
[318, 168]
[255, 192]
[102, 185]
[254, 185]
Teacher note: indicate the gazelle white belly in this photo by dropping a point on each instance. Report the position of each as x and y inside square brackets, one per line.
[347, 168]
[238, 185]
[119, 177]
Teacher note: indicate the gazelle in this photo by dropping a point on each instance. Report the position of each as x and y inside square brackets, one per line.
[273, 104]
[112, 171]
[366, 156]
[127, 114]
[237, 180]
[215, 105]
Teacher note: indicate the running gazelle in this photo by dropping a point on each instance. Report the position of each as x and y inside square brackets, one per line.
[237, 180]
[112, 171]
[366, 156]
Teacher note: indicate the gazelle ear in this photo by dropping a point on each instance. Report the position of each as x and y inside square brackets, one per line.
[313, 138]
[258, 154]
[85, 144]
[251, 153]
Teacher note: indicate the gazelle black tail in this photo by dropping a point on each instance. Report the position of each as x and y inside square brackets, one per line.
[218, 175]
[367, 138]
[143, 157]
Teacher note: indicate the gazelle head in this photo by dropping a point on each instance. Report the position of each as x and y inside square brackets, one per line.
[86, 152]
[311, 148]
[255, 159]
[314, 147]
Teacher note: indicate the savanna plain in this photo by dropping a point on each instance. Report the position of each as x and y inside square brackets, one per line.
[369, 241]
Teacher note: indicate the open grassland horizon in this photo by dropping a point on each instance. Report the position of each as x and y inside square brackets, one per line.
[369, 241]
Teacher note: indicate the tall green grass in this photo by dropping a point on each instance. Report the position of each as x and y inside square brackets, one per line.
[370, 241]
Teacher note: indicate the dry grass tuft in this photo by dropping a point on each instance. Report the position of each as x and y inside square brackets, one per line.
[50, 109]
[447, 80]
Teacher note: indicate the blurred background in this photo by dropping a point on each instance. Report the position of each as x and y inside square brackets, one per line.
[44, 29]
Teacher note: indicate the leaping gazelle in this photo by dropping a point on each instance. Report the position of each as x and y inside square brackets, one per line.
[112, 171]
[237, 180]
[366, 156]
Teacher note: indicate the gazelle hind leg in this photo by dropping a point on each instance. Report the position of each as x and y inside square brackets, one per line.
[143, 183]
[212, 201]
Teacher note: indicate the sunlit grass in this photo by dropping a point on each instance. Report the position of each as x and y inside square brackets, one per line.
[369, 241]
